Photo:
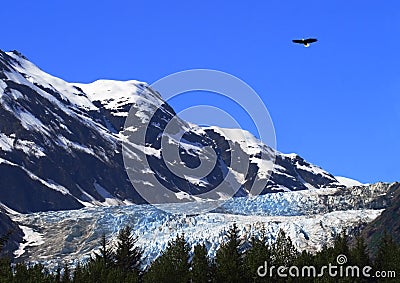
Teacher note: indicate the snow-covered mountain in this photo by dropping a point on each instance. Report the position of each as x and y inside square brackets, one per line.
[60, 145]
[63, 181]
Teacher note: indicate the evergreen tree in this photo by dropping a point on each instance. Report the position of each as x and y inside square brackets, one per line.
[283, 251]
[388, 256]
[173, 264]
[359, 254]
[78, 275]
[305, 259]
[256, 256]
[201, 271]
[95, 271]
[31, 274]
[228, 260]
[341, 245]
[66, 276]
[128, 257]
[106, 254]
[5, 270]
[107, 266]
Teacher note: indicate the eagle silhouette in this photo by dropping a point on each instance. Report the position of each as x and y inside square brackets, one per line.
[305, 42]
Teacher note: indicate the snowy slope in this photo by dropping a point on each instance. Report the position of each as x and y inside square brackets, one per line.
[348, 182]
[115, 95]
[60, 145]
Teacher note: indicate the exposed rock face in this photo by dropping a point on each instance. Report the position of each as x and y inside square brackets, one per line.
[10, 232]
[388, 221]
[60, 145]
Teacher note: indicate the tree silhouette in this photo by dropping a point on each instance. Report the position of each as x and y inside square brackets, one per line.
[173, 264]
[201, 270]
[128, 256]
[229, 267]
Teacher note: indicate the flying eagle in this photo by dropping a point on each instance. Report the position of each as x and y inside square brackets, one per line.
[305, 42]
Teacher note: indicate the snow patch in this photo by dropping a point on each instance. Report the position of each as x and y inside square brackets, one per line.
[348, 182]
[33, 75]
[31, 239]
[6, 142]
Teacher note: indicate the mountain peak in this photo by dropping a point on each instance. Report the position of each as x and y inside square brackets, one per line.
[17, 53]
[61, 146]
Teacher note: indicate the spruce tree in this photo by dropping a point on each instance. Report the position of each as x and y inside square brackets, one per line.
[359, 254]
[172, 266]
[283, 251]
[108, 266]
[258, 253]
[95, 271]
[79, 274]
[228, 261]
[305, 259]
[341, 245]
[106, 254]
[387, 255]
[200, 271]
[128, 256]
[58, 274]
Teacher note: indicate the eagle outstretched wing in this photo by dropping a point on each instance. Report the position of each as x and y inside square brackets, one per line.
[305, 42]
[310, 40]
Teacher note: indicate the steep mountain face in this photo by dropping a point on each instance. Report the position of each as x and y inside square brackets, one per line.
[55, 154]
[387, 222]
[10, 232]
[60, 145]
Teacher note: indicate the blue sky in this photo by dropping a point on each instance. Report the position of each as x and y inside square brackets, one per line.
[336, 103]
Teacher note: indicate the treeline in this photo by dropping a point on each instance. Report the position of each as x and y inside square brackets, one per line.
[235, 261]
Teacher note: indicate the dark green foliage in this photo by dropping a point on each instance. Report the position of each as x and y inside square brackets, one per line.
[173, 264]
[341, 244]
[283, 251]
[201, 266]
[33, 274]
[128, 255]
[228, 261]
[78, 274]
[388, 256]
[123, 265]
[258, 253]
[359, 254]
[58, 275]
[106, 254]
[5, 271]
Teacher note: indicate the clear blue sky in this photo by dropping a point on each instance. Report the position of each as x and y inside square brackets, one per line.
[336, 103]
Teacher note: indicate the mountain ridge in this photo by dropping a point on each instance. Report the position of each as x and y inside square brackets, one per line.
[60, 140]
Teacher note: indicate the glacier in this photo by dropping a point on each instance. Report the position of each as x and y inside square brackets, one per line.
[311, 218]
